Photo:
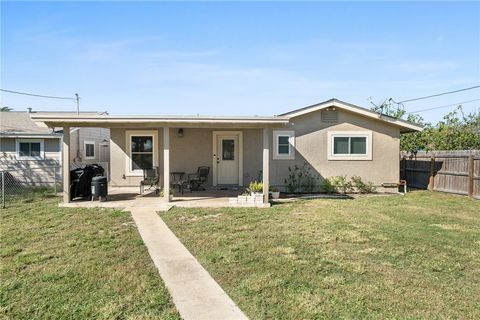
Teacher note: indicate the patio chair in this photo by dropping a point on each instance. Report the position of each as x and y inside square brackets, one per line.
[151, 179]
[196, 180]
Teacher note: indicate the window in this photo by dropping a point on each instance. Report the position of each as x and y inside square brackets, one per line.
[228, 149]
[142, 151]
[283, 145]
[350, 145]
[30, 149]
[89, 149]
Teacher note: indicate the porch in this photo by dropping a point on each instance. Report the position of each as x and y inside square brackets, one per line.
[128, 197]
[237, 149]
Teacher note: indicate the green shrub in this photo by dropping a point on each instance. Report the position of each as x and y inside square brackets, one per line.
[301, 179]
[361, 186]
[255, 186]
[292, 182]
[327, 186]
[342, 184]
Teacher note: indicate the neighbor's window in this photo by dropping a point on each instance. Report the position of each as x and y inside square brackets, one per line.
[356, 146]
[283, 145]
[89, 147]
[141, 152]
[30, 149]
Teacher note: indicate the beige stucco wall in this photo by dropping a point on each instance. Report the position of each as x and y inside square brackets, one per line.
[187, 153]
[311, 145]
[195, 149]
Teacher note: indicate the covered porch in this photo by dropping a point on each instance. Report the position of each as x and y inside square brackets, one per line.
[236, 149]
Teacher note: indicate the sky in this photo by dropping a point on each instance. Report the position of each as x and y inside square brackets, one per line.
[241, 58]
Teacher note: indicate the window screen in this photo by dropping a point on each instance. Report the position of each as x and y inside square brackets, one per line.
[340, 145]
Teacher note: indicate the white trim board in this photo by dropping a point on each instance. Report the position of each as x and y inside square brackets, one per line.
[17, 149]
[348, 157]
[291, 142]
[357, 110]
[128, 149]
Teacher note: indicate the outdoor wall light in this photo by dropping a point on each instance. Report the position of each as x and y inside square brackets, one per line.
[180, 133]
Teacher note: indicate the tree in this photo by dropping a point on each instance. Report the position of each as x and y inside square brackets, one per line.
[5, 109]
[456, 131]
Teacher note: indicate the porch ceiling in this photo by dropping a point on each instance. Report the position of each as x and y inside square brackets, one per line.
[61, 120]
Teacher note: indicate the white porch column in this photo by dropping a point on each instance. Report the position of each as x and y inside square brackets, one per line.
[266, 167]
[166, 164]
[66, 164]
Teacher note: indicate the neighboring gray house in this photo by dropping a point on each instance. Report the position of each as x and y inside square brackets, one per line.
[30, 150]
[332, 137]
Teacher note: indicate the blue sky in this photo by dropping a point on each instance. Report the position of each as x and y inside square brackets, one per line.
[238, 58]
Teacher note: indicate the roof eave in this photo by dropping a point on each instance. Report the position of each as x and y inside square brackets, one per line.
[30, 135]
[58, 121]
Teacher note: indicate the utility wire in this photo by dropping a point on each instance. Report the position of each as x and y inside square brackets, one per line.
[445, 106]
[436, 95]
[37, 95]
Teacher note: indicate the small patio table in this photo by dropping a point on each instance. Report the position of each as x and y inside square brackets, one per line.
[177, 180]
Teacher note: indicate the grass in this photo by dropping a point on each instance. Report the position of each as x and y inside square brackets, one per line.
[60, 263]
[416, 256]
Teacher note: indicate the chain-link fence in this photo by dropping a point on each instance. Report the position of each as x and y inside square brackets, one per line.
[20, 184]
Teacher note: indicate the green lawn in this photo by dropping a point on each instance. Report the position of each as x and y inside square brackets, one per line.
[60, 263]
[416, 256]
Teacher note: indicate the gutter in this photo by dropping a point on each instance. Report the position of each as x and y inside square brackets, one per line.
[31, 135]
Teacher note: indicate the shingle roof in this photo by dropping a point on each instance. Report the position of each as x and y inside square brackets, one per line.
[18, 123]
[13, 122]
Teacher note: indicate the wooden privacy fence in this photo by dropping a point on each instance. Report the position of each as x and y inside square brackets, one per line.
[447, 171]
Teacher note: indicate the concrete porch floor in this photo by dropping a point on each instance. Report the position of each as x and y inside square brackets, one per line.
[125, 197]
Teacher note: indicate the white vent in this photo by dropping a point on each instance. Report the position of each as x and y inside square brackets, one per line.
[330, 116]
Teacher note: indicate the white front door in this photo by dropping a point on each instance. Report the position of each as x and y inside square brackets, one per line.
[227, 159]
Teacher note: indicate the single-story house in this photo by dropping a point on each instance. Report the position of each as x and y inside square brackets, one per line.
[29, 151]
[332, 137]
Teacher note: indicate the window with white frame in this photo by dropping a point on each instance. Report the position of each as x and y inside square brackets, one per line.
[284, 145]
[30, 149]
[141, 146]
[355, 145]
[89, 149]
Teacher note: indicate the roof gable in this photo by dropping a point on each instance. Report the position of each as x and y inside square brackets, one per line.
[405, 126]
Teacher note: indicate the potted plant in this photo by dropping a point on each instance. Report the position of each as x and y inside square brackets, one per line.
[275, 193]
[255, 188]
[170, 196]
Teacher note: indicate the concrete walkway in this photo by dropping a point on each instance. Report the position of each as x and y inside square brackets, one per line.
[195, 293]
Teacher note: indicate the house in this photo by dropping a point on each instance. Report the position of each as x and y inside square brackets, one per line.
[30, 151]
[332, 137]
